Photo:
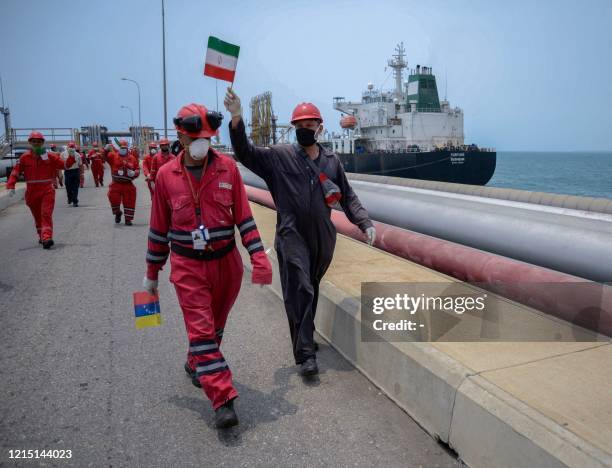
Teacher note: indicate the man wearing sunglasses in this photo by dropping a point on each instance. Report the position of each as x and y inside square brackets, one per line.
[199, 199]
[40, 171]
[305, 181]
[124, 169]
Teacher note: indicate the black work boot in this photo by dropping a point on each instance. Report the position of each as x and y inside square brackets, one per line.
[225, 416]
[192, 374]
[309, 367]
[47, 244]
[118, 217]
[128, 222]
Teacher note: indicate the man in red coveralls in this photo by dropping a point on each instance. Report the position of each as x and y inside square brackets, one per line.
[198, 200]
[59, 180]
[40, 170]
[146, 165]
[124, 169]
[97, 164]
[84, 165]
[161, 158]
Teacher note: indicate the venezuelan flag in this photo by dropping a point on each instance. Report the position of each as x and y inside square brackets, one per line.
[146, 309]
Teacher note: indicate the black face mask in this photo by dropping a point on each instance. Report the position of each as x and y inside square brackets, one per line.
[165, 150]
[305, 136]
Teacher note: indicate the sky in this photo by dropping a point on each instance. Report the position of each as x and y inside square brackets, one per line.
[529, 75]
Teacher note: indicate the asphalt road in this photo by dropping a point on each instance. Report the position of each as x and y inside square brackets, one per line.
[76, 375]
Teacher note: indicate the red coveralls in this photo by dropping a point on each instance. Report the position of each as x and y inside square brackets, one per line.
[122, 189]
[97, 167]
[82, 169]
[146, 168]
[207, 282]
[40, 194]
[158, 161]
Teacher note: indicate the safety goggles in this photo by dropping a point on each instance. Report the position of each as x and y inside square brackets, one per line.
[194, 124]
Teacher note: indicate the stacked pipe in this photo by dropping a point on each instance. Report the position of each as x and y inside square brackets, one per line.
[512, 278]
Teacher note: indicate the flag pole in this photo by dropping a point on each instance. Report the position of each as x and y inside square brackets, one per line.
[217, 92]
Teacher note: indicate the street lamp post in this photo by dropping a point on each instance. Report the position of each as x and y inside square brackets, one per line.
[164, 69]
[131, 113]
[139, 120]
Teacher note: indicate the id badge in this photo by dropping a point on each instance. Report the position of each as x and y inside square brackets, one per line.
[197, 236]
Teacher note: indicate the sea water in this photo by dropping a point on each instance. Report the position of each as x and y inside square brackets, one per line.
[587, 174]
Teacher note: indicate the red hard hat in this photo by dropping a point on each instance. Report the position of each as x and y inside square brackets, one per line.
[123, 143]
[152, 145]
[205, 127]
[72, 144]
[305, 110]
[53, 146]
[36, 135]
[164, 141]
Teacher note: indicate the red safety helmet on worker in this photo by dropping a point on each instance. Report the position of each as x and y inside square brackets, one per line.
[206, 268]
[40, 171]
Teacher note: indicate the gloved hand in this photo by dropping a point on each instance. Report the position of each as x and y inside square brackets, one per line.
[11, 192]
[149, 285]
[108, 147]
[120, 172]
[152, 184]
[371, 233]
[262, 269]
[232, 103]
[131, 173]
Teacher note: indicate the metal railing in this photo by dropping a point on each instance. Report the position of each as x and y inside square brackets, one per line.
[53, 134]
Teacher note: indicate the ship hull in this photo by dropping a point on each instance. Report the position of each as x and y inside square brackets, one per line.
[463, 167]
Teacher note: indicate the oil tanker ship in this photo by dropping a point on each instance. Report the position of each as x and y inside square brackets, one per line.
[408, 132]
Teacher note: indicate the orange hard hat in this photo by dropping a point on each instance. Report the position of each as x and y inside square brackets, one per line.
[304, 111]
[196, 121]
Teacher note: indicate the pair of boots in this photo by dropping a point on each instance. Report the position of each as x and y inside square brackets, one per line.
[225, 416]
[118, 219]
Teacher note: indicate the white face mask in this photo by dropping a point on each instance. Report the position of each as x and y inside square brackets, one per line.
[153, 151]
[198, 149]
[123, 151]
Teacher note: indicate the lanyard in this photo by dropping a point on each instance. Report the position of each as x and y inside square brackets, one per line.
[196, 196]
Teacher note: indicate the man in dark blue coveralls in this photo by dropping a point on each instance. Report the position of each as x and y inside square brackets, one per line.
[303, 180]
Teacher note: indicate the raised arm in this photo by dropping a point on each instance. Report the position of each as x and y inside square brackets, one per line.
[260, 160]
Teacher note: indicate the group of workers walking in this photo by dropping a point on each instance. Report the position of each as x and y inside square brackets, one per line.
[198, 203]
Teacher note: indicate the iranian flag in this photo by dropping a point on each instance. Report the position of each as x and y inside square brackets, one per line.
[221, 59]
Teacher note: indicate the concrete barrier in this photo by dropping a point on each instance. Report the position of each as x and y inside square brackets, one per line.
[6, 200]
[486, 425]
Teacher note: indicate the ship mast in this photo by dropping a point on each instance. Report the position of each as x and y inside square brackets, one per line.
[398, 64]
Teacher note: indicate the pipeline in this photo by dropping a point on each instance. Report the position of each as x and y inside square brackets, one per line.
[592, 204]
[574, 245]
[518, 281]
